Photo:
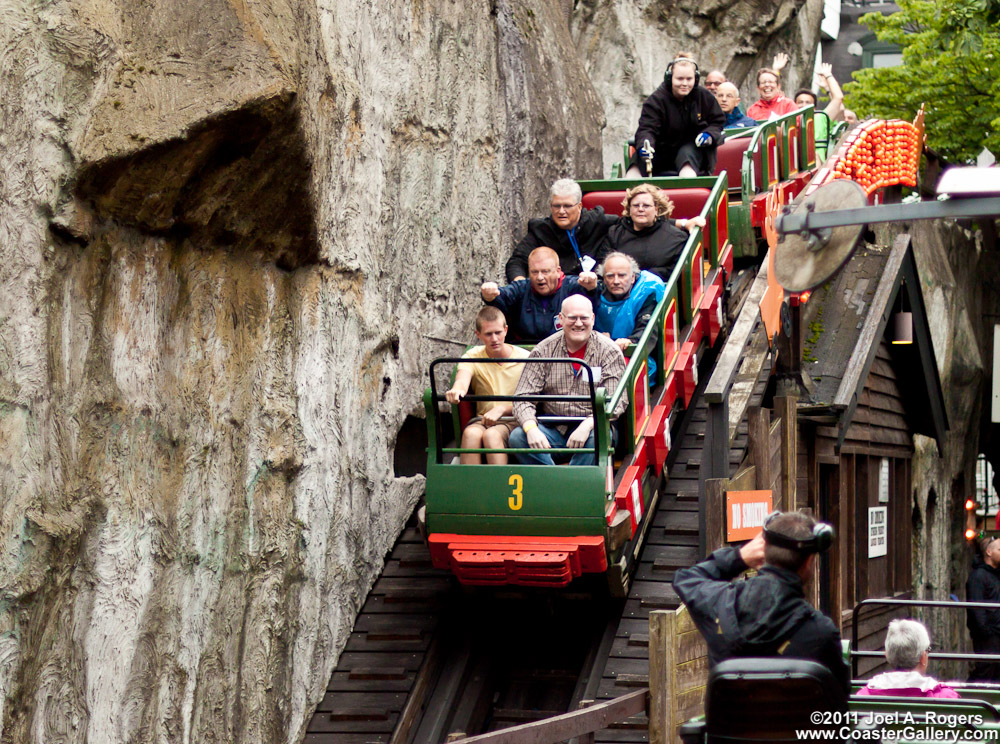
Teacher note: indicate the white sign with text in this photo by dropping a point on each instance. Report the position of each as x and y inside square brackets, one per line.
[878, 535]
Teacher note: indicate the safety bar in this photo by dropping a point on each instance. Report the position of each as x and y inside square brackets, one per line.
[955, 605]
[592, 399]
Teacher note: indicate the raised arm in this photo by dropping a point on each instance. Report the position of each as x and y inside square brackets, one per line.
[826, 80]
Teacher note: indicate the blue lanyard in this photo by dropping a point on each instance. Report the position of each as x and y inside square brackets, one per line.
[572, 241]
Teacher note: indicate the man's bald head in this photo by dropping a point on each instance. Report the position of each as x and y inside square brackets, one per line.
[577, 318]
[577, 304]
[542, 253]
[543, 270]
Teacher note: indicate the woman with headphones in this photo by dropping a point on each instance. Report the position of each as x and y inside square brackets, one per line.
[680, 125]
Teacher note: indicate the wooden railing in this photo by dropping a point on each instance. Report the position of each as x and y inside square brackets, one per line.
[580, 723]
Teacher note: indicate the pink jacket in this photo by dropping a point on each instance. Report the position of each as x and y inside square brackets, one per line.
[779, 105]
[907, 684]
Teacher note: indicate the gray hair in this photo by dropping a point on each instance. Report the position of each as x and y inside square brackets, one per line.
[618, 254]
[905, 642]
[567, 187]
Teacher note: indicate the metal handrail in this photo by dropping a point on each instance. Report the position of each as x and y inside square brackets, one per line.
[887, 602]
[592, 398]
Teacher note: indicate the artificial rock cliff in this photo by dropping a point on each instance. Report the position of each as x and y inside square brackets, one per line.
[228, 230]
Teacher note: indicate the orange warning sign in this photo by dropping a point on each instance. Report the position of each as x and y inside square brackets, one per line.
[745, 513]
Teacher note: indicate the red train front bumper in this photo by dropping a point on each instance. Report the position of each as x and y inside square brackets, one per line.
[494, 560]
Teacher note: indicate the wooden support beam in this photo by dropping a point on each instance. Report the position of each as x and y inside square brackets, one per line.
[785, 409]
[759, 448]
[715, 513]
[569, 725]
[661, 663]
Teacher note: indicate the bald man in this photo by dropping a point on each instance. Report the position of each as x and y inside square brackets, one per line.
[532, 305]
[576, 340]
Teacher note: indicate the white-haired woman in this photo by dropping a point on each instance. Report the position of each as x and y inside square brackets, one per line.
[907, 649]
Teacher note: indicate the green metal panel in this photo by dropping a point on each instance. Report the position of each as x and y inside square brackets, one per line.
[516, 499]
[741, 232]
[495, 524]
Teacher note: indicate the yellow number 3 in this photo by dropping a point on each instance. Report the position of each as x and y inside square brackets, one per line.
[515, 501]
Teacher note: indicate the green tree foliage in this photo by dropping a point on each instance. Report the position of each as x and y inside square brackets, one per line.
[951, 62]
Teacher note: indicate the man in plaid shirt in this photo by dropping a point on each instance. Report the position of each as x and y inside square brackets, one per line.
[577, 340]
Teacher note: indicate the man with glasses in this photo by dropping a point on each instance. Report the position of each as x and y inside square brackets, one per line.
[575, 430]
[570, 230]
[714, 79]
[532, 305]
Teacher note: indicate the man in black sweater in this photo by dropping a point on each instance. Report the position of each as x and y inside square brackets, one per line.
[571, 231]
[682, 122]
[766, 615]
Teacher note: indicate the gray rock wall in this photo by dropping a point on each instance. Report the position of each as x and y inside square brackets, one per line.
[227, 231]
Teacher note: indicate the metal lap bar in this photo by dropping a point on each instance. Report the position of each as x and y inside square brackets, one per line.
[592, 399]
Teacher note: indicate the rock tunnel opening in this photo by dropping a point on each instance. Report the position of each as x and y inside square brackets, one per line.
[410, 453]
[237, 182]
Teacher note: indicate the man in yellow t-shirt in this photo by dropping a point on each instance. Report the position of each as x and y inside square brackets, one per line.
[487, 430]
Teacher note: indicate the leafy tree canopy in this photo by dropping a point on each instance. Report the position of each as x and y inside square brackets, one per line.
[951, 62]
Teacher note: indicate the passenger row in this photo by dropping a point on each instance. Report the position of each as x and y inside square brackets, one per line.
[682, 123]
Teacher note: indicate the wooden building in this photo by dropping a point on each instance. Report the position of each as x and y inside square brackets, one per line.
[861, 400]
[869, 397]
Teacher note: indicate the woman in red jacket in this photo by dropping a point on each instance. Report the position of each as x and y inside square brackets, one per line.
[772, 101]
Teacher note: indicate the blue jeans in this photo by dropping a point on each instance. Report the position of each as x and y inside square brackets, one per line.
[518, 439]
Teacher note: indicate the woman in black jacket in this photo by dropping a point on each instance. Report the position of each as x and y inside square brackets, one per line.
[645, 232]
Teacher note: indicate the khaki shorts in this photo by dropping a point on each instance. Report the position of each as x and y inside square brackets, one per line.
[503, 424]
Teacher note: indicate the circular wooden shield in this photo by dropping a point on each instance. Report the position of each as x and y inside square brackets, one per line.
[801, 263]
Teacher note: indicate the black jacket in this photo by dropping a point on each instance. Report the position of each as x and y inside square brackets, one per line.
[655, 248]
[983, 586]
[766, 615]
[589, 232]
[669, 122]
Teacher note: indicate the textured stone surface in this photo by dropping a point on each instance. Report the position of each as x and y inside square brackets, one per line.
[627, 45]
[227, 230]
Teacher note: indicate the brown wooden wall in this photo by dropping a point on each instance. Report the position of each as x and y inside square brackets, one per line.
[841, 485]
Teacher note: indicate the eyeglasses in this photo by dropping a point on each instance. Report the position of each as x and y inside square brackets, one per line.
[563, 207]
[574, 319]
[637, 205]
[711, 85]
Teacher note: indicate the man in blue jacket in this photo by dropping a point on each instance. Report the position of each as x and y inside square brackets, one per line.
[728, 96]
[628, 299]
[532, 305]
